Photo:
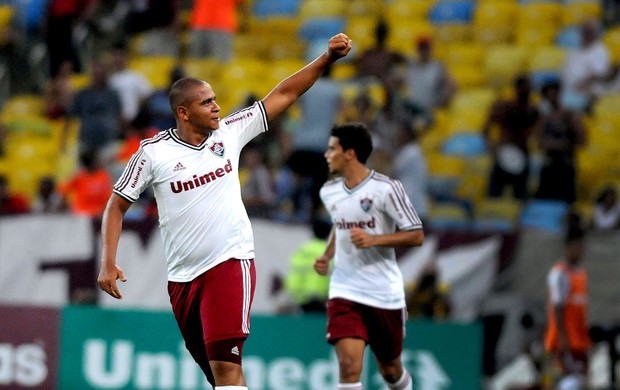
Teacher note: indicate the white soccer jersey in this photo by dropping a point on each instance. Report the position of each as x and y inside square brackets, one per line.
[378, 205]
[202, 219]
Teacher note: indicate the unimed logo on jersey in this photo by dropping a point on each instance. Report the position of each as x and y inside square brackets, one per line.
[359, 224]
[238, 118]
[197, 181]
[138, 172]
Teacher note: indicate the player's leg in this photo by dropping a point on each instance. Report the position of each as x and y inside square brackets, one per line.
[347, 332]
[187, 313]
[350, 353]
[386, 333]
[225, 306]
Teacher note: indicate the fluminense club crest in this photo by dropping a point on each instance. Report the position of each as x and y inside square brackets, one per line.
[366, 204]
[217, 148]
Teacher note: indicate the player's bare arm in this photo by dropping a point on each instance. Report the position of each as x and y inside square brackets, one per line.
[408, 238]
[111, 227]
[291, 88]
[321, 264]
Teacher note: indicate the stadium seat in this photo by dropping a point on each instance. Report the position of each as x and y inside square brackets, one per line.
[311, 9]
[611, 38]
[403, 35]
[155, 68]
[501, 214]
[473, 104]
[444, 33]
[448, 216]
[270, 8]
[545, 64]
[361, 29]
[534, 37]
[496, 13]
[503, 63]
[409, 10]
[568, 37]
[6, 16]
[463, 53]
[464, 144]
[207, 69]
[547, 215]
[491, 35]
[20, 106]
[321, 28]
[368, 8]
[575, 12]
[451, 11]
[539, 14]
[467, 76]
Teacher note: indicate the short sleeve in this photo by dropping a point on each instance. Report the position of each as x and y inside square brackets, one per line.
[136, 177]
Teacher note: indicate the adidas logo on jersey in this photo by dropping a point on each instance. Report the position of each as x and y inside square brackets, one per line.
[178, 167]
[235, 350]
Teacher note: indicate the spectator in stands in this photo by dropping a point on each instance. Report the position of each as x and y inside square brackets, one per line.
[87, 192]
[133, 87]
[567, 339]
[157, 23]
[48, 199]
[157, 105]
[257, 183]
[562, 132]
[98, 108]
[584, 67]
[213, 24]
[59, 92]
[378, 62]
[12, 203]
[606, 212]
[305, 145]
[517, 119]
[426, 83]
[307, 288]
[426, 299]
[62, 18]
[411, 168]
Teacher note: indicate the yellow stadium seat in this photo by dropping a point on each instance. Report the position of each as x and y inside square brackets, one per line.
[467, 76]
[535, 37]
[403, 35]
[540, 14]
[607, 106]
[278, 26]
[155, 68]
[343, 71]
[546, 58]
[207, 69]
[407, 9]
[496, 13]
[20, 106]
[361, 29]
[611, 38]
[503, 63]
[322, 8]
[492, 35]
[473, 101]
[285, 49]
[575, 12]
[463, 53]
[452, 32]
[365, 8]
[249, 45]
[6, 16]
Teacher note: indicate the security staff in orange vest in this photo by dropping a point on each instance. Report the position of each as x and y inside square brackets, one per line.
[567, 338]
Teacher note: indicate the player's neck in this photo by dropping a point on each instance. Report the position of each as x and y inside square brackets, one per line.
[191, 137]
[356, 175]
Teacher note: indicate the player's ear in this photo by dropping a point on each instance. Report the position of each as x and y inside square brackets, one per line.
[182, 112]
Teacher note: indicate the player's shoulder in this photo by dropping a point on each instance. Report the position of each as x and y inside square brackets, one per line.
[382, 180]
[157, 140]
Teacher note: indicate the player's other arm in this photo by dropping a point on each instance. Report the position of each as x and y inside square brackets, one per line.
[291, 88]
[406, 238]
[111, 226]
[321, 264]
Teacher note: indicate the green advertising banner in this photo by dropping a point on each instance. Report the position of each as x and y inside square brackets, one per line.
[122, 349]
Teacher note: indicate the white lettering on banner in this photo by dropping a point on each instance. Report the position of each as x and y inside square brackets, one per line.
[159, 370]
[23, 365]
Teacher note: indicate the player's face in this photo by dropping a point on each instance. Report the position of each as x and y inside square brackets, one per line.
[203, 112]
[335, 155]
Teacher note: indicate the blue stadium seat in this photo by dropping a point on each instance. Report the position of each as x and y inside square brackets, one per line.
[548, 215]
[270, 8]
[464, 144]
[452, 11]
[569, 37]
[321, 28]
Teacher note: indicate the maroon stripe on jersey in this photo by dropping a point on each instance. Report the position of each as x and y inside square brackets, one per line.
[122, 183]
[399, 191]
[131, 165]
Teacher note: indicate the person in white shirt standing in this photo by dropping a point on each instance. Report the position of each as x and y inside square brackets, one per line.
[371, 215]
[207, 235]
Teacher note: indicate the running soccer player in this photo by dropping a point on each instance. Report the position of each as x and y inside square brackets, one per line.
[371, 215]
[208, 239]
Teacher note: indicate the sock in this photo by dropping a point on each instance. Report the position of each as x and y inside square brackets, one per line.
[350, 386]
[404, 383]
[231, 388]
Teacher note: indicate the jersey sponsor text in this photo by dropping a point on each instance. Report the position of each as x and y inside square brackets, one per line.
[197, 181]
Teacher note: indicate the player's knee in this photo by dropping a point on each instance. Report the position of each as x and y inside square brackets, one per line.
[391, 371]
[350, 367]
[229, 350]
